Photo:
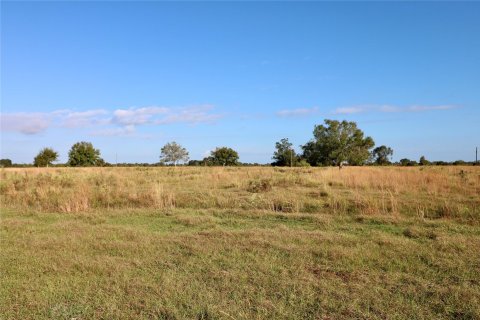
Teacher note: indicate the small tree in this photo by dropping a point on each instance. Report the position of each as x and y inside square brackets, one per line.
[423, 161]
[45, 157]
[83, 154]
[223, 156]
[5, 163]
[173, 152]
[381, 155]
[284, 154]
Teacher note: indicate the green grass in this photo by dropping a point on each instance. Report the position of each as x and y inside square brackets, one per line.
[240, 243]
[236, 264]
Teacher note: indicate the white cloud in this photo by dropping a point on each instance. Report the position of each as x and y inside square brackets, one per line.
[124, 121]
[299, 112]
[164, 115]
[26, 123]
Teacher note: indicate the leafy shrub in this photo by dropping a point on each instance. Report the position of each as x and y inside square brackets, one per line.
[303, 163]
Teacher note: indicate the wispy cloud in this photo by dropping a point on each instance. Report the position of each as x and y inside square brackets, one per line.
[299, 112]
[349, 110]
[137, 116]
[83, 119]
[429, 108]
[128, 130]
[207, 153]
[190, 115]
[120, 122]
[386, 108]
[390, 108]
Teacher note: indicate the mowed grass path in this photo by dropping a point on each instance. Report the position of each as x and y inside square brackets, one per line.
[174, 262]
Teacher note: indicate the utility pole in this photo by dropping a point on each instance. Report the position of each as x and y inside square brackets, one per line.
[116, 160]
[476, 155]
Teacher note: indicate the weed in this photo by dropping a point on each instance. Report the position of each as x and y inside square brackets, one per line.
[262, 185]
[411, 233]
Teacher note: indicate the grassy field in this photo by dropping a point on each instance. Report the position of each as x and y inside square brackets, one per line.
[240, 243]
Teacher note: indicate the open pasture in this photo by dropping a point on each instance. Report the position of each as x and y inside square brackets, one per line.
[240, 243]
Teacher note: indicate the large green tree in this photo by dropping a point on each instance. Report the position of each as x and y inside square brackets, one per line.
[381, 155]
[83, 154]
[172, 152]
[45, 157]
[223, 156]
[284, 154]
[335, 143]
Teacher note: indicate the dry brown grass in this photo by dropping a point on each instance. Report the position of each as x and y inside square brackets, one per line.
[431, 192]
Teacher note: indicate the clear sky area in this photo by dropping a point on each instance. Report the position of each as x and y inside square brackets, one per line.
[132, 76]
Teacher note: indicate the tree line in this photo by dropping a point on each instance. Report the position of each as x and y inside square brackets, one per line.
[334, 143]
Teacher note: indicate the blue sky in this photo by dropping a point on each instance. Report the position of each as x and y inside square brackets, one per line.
[130, 77]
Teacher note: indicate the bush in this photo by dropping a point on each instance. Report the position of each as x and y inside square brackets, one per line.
[303, 163]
